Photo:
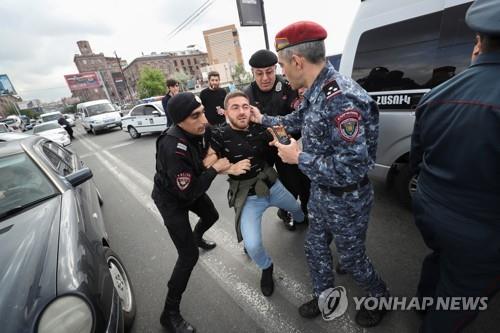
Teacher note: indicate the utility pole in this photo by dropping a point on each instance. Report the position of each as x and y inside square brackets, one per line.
[264, 25]
[124, 78]
[104, 86]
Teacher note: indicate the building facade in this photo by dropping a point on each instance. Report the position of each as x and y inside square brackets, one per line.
[108, 69]
[169, 63]
[223, 45]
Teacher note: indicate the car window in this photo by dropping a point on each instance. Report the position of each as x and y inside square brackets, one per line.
[22, 184]
[61, 159]
[148, 110]
[137, 111]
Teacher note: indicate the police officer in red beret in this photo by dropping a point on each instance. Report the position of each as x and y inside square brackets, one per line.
[339, 124]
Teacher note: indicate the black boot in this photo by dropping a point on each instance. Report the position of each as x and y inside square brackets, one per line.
[369, 318]
[174, 323]
[310, 309]
[286, 217]
[266, 281]
[203, 243]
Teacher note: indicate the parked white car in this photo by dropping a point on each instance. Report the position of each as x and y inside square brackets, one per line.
[145, 118]
[54, 132]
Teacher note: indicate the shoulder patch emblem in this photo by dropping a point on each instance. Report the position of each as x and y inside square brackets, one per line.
[331, 88]
[182, 146]
[348, 124]
[183, 180]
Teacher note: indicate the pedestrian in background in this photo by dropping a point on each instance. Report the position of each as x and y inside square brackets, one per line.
[456, 151]
[212, 99]
[273, 96]
[172, 90]
[339, 124]
[184, 173]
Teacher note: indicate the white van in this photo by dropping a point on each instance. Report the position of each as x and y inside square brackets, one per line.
[398, 50]
[99, 115]
[50, 116]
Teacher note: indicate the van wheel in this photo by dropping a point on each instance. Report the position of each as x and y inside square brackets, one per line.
[133, 132]
[405, 184]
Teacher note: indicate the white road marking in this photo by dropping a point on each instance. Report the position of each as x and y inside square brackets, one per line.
[265, 314]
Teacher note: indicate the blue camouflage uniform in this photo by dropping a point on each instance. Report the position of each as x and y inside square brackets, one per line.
[339, 124]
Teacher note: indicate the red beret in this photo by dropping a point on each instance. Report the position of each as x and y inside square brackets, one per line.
[298, 33]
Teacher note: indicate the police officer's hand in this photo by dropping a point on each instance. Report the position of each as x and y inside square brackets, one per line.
[255, 115]
[289, 153]
[221, 165]
[210, 159]
[239, 168]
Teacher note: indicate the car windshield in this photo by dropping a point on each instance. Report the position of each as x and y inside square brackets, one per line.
[100, 108]
[45, 127]
[51, 117]
[22, 184]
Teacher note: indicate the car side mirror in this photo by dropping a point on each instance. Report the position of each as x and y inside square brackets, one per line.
[156, 113]
[79, 177]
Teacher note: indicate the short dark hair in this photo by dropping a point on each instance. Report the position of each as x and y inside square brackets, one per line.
[489, 43]
[172, 83]
[233, 94]
[213, 73]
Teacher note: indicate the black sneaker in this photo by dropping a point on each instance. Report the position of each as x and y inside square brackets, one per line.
[310, 309]
[174, 323]
[287, 219]
[266, 281]
[369, 318]
[203, 243]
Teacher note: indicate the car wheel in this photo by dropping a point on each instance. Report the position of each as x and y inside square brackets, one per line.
[133, 132]
[123, 287]
[405, 184]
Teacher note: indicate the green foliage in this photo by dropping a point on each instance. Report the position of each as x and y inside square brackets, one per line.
[32, 114]
[182, 78]
[151, 82]
[240, 75]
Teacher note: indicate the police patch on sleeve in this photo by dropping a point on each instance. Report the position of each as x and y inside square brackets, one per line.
[183, 180]
[331, 88]
[348, 125]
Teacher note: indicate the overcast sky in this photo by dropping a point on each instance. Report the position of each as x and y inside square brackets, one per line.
[38, 38]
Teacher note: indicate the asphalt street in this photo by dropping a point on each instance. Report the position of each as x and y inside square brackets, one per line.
[223, 294]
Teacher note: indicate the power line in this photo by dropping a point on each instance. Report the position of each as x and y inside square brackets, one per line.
[188, 18]
[192, 19]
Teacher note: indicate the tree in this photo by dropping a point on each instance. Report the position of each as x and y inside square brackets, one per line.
[240, 75]
[182, 78]
[151, 82]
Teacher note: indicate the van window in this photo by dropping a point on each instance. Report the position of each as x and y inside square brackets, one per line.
[418, 53]
[93, 110]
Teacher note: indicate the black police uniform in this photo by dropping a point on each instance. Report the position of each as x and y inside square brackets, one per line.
[164, 103]
[280, 101]
[63, 122]
[456, 149]
[180, 183]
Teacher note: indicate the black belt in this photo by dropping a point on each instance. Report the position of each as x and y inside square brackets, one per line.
[339, 191]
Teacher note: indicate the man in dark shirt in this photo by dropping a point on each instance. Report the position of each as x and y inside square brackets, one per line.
[273, 96]
[212, 99]
[456, 150]
[183, 175]
[173, 89]
[245, 145]
[64, 123]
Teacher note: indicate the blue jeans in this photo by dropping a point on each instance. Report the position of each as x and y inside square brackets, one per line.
[251, 217]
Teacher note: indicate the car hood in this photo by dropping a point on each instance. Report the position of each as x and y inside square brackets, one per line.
[54, 133]
[28, 264]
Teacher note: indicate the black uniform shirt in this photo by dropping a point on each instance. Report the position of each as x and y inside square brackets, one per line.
[181, 177]
[239, 145]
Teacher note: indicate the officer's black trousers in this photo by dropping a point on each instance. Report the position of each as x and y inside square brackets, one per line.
[465, 261]
[295, 182]
[176, 220]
